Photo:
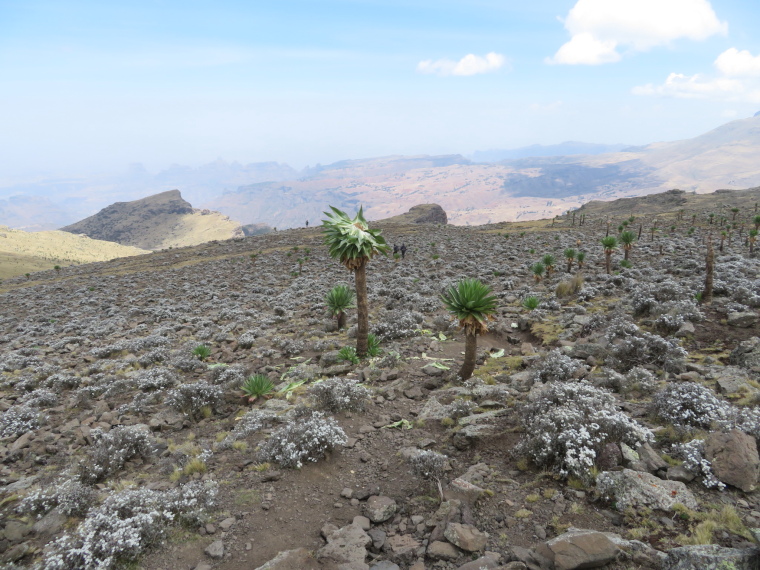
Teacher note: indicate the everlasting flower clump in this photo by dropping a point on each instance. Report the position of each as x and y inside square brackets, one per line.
[18, 420]
[633, 347]
[566, 425]
[556, 367]
[249, 424]
[693, 455]
[111, 450]
[397, 324]
[190, 399]
[72, 498]
[336, 394]
[688, 405]
[125, 525]
[156, 379]
[307, 437]
[428, 465]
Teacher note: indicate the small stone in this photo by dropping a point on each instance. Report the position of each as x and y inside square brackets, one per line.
[466, 537]
[210, 529]
[347, 493]
[215, 550]
[227, 523]
[439, 550]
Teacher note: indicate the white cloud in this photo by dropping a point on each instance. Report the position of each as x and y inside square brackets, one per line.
[699, 86]
[735, 63]
[599, 29]
[738, 80]
[469, 65]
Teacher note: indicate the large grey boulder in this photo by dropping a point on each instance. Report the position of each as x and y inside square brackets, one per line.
[712, 557]
[466, 537]
[578, 548]
[744, 319]
[734, 459]
[346, 547]
[747, 354]
[636, 489]
[380, 509]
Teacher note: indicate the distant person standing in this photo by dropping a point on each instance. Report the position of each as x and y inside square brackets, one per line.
[403, 250]
[395, 249]
[307, 223]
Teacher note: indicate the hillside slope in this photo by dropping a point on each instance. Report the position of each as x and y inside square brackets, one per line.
[156, 222]
[26, 252]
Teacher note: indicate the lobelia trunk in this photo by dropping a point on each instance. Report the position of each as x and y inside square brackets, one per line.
[707, 294]
[362, 310]
[470, 353]
[608, 262]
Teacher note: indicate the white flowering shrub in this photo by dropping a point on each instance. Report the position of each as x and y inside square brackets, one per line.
[307, 437]
[190, 399]
[230, 377]
[17, 420]
[250, 423]
[72, 498]
[693, 455]
[428, 465]
[631, 347]
[555, 367]
[247, 339]
[566, 424]
[688, 405]
[153, 356]
[125, 525]
[289, 346]
[460, 408]
[40, 398]
[336, 394]
[156, 379]
[639, 379]
[111, 450]
[397, 324]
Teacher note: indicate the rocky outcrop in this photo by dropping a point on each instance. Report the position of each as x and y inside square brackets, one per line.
[734, 459]
[712, 557]
[156, 222]
[579, 548]
[638, 489]
[420, 214]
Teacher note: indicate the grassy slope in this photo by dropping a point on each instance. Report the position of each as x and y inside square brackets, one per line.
[26, 252]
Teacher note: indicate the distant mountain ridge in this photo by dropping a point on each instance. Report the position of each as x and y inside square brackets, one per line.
[156, 222]
[562, 149]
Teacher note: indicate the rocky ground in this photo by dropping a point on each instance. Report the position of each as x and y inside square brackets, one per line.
[614, 424]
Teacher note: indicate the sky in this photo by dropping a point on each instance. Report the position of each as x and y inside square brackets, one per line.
[95, 86]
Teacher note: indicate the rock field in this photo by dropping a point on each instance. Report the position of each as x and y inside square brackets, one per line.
[614, 425]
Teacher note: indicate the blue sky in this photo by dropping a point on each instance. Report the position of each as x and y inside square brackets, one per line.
[93, 85]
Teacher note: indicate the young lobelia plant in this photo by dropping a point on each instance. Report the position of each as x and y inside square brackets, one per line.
[472, 303]
[352, 243]
[340, 298]
[257, 386]
[202, 352]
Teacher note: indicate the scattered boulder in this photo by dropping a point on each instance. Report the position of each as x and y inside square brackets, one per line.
[578, 548]
[466, 537]
[380, 509]
[711, 557]
[734, 459]
[744, 319]
[747, 354]
[347, 545]
[637, 489]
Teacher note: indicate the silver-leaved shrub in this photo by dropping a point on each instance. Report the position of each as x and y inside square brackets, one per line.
[306, 437]
[567, 424]
[336, 394]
